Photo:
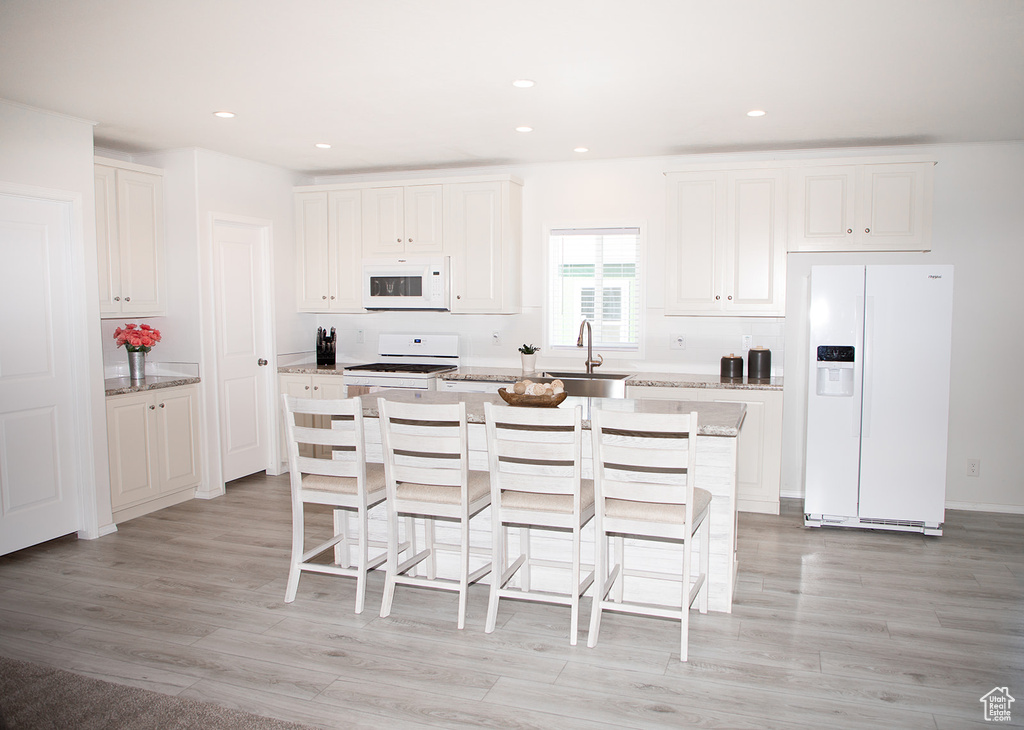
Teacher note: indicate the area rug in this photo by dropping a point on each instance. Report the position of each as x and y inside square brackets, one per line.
[36, 696]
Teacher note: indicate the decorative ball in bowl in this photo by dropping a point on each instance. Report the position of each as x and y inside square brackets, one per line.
[536, 395]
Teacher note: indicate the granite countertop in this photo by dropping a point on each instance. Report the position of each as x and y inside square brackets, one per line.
[120, 386]
[311, 368]
[661, 380]
[714, 419]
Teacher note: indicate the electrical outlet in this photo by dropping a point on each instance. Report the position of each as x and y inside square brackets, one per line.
[677, 342]
[359, 337]
[973, 467]
[495, 338]
[748, 340]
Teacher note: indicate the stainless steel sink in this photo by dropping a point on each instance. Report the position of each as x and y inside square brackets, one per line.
[592, 385]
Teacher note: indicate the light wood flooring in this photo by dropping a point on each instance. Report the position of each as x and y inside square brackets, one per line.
[830, 628]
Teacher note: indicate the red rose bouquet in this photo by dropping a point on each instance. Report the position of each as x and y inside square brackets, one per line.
[137, 337]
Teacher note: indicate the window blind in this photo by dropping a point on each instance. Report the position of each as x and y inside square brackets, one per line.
[595, 275]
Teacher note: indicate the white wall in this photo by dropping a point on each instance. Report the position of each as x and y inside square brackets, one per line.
[55, 152]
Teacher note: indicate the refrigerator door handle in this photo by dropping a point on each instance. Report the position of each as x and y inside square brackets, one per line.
[867, 350]
[858, 367]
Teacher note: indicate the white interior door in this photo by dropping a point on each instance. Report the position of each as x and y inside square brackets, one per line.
[39, 485]
[240, 290]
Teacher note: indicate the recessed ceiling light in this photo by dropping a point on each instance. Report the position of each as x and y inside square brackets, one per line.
[756, 113]
[581, 149]
[322, 146]
[224, 115]
[523, 83]
[524, 129]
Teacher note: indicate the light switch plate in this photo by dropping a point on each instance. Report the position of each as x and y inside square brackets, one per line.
[748, 340]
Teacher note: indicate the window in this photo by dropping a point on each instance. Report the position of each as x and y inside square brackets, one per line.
[595, 275]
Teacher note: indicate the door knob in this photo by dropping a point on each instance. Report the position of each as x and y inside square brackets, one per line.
[261, 362]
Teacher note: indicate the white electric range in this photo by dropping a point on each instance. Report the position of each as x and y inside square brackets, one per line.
[407, 361]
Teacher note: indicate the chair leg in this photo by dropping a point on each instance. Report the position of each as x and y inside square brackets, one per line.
[620, 560]
[705, 560]
[298, 541]
[428, 532]
[524, 548]
[498, 562]
[341, 549]
[392, 565]
[363, 560]
[600, 577]
[684, 617]
[574, 606]
[463, 571]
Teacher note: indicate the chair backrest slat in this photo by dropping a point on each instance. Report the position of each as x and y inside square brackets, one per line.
[644, 457]
[342, 432]
[537, 451]
[424, 443]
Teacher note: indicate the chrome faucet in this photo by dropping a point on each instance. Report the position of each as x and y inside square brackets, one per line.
[591, 362]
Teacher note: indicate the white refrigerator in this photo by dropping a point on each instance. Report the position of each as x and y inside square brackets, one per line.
[878, 396]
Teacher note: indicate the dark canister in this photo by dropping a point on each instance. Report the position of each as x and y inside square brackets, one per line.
[759, 363]
[732, 367]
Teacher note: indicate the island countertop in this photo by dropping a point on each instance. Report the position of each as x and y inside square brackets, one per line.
[660, 380]
[714, 419]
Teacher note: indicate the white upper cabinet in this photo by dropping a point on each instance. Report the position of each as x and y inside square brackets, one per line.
[483, 236]
[726, 243]
[329, 243]
[402, 221]
[130, 239]
[865, 207]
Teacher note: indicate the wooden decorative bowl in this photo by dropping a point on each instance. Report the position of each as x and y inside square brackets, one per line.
[533, 401]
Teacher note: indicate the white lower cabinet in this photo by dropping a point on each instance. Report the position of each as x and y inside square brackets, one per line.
[153, 445]
[759, 471]
[320, 387]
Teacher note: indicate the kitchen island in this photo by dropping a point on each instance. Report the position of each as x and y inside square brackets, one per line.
[719, 426]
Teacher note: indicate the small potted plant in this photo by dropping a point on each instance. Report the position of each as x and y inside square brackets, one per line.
[137, 340]
[529, 356]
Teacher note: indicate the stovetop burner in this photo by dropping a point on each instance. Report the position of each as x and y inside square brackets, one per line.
[392, 367]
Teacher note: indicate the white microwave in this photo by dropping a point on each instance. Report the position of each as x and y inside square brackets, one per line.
[407, 283]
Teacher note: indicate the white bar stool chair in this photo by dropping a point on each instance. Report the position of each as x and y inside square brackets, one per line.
[345, 481]
[643, 485]
[535, 458]
[426, 464]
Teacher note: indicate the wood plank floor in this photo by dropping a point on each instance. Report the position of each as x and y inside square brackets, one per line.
[831, 627]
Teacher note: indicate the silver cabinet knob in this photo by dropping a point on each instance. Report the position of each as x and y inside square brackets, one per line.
[410, 240]
[324, 296]
[730, 297]
[717, 297]
[161, 405]
[849, 230]
[117, 299]
[152, 408]
[127, 299]
[316, 387]
[398, 240]
[332, 298]
[307, 387]
[867, 230]
[261, 362]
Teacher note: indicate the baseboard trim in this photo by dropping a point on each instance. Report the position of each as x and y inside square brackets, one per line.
[1008, 509]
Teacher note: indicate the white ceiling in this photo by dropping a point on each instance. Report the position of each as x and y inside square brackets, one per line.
[409, 84]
